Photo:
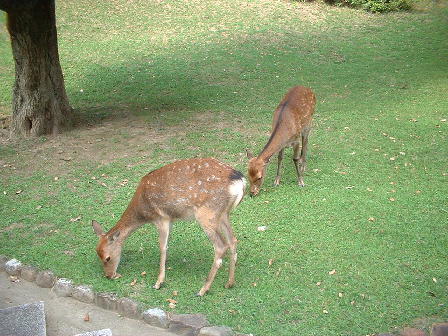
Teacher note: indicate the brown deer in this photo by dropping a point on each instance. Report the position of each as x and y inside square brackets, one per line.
[290, 127]
[205, 189]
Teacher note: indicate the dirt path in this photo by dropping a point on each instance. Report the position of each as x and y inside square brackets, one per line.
[65, 316]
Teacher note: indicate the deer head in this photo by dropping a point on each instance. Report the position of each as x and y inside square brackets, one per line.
[108, 250]
[256, 172]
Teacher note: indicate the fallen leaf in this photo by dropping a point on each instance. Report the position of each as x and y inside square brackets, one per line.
[434, 279]
[371, 219]
[171, 301]
[133, 282]
[392, 199]
[175, 293]
[340, 295]
[75, 219]
[86, 317]
[318, 283]
[332, 272]
[262, 228]
[270, 262]
[172, 305]
[13, 278]
[18, 192]
[254, 284]
[325, 311]
[143, 273]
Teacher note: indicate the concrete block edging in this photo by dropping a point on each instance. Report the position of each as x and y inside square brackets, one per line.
[185, 324]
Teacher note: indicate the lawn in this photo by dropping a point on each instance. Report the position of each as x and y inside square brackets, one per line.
[361, 249]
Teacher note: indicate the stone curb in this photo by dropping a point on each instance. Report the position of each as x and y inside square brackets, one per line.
[181, 324]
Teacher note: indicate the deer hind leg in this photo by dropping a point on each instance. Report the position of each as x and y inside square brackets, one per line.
[209, 224]
[163, 226]
[231, 242]
[279, 164]
[300, 156]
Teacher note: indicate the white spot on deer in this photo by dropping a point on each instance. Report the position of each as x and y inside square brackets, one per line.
[236, 189]
[190, 188]
[206, 165]
[199, 182]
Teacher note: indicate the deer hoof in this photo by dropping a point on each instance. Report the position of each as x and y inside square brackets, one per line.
[201, 292]
[229, 284]
[157, 286]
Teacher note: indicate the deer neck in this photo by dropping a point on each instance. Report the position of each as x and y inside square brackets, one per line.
[127, 224]
[278, 140]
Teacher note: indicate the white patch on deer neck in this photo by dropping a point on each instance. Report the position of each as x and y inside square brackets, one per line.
[236, 189]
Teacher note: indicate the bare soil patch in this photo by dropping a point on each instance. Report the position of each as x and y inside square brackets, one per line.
[101, 144]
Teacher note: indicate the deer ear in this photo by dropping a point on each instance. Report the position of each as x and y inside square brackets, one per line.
[97, 228]
[249, 154]
[114, 236]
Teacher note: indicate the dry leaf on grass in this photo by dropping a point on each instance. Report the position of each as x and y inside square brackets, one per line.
[332, 272]
[75, 219]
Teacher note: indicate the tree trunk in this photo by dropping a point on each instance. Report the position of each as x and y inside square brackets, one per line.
[40, 104]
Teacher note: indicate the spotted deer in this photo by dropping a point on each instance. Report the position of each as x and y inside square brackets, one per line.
[290, 127]
[205, 189]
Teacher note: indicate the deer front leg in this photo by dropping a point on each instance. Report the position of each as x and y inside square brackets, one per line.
[279, 164]
[164, 231]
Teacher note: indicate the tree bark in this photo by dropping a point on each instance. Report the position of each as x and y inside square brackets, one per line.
[40, 104]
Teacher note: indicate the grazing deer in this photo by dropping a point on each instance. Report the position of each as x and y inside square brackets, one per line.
[205, 189]
[291, 125]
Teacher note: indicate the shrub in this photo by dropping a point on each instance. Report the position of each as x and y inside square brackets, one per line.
[374, 6]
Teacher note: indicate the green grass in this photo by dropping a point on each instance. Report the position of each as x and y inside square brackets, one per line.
[208, 77]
